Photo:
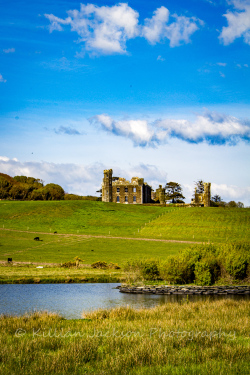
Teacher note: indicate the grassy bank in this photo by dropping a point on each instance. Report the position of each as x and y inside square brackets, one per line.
[29, 274]
[191, 338]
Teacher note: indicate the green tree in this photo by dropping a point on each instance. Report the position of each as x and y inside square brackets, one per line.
[232, 204]
[216, 198]
[52, 192]
[174, 192]
[240, 205]
[5, 186]
[199, 185]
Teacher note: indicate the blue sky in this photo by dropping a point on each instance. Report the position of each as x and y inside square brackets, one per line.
[158, 89]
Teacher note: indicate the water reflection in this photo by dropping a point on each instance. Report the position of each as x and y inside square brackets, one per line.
[70, 300]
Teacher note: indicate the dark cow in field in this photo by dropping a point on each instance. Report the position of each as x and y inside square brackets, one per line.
[37, 239]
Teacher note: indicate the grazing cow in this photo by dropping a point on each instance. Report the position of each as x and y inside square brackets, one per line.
[37, 239]
[92, 250]
[9, 260]
[55, 232]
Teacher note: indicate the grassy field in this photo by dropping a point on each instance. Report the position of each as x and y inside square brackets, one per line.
[98, 218]
[173, 339]
[74, 219]
[83, 217]
[208, 224]
[58, 249]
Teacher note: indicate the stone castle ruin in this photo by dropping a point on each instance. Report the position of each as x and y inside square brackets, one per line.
[120, 190]
[203, 199]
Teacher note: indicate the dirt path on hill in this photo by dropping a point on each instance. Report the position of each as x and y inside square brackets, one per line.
[107, 237]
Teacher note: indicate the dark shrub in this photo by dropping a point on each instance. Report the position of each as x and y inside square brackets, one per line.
[150, 270]
[100, 264]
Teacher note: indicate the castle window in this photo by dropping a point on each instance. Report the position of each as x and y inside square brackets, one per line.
[118, 199]
[134, 189]
[134, 198]
[118, 190]
[126, 189]
[126, 198]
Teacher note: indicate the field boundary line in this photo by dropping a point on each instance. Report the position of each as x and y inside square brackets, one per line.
[101, 236]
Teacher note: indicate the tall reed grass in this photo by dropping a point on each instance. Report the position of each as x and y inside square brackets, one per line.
[190, 338]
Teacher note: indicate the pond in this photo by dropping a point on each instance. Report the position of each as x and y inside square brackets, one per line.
[71, 300]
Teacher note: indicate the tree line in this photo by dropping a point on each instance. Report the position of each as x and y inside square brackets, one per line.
[30, 188]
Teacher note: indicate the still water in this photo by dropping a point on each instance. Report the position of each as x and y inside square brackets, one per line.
[71, 300]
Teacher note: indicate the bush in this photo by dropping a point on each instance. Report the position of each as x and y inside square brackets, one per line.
[105, 265]
[100, 264]
[114, 266]
[150, 270]
[69, 264]
[202, 273]
[235, 259]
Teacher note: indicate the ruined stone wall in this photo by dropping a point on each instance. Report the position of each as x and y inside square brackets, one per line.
[207, 194]
[120, 190]
[204, 198]
[160, 195]
[127, 193]
[107, 185]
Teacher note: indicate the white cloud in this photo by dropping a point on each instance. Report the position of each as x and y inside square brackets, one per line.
[155, 27]
[2, 79]
[160, 58]
[181, 30]
[213, 127]
[67, 130]
[210, 127]
[231, 192]
[137, 130]
[102, 29]
[238, 23]
[105, 30]
[221, 64]
[226, 192]
[9, 50]
[79, 179]
[222, 75]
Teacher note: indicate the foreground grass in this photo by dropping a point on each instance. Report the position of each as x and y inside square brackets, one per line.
[191, 338]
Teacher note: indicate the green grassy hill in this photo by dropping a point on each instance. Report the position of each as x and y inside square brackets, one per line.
[77, 218]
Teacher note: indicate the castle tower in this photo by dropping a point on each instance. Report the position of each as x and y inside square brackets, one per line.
[107, 185]
[160, 194]
[207, 194]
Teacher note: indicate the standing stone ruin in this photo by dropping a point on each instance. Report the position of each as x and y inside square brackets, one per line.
[203, 199]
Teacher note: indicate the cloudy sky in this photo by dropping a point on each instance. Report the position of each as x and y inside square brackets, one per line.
[157, 89]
